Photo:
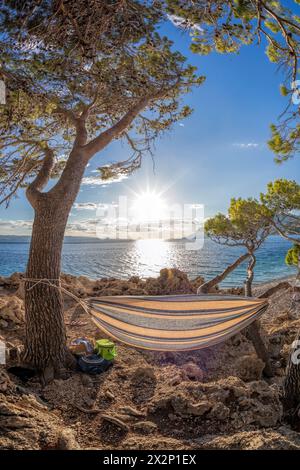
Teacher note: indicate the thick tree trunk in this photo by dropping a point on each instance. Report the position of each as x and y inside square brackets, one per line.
[45, 340]
[205, 288]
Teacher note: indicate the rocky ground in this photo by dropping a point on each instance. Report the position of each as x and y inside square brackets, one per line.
[209, 399]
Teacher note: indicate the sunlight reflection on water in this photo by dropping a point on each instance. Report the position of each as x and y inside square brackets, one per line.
[145, 258]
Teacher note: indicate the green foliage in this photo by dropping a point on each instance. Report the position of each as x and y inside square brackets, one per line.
[245, 225]
[282, 200]
[293, 256]
[283, 90]
[282, 196]
[225, 27]
[106, 56]
[285, 142]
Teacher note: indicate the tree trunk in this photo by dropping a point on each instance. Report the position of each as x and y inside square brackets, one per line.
[296, 295]
[291, 386]
[250, 275]
[254, 334]
[205, 288]
[254, 329]
[45, 340]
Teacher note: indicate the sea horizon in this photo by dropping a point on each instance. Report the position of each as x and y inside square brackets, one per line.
[122, 259]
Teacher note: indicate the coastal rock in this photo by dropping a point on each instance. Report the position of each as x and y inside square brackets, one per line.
[169, 281]
[192, 371]
[229, 401]
[11, 312]
[181, 405]
[249, 368]
[219, 412]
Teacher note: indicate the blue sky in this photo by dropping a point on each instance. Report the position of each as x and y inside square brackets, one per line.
[219, 152]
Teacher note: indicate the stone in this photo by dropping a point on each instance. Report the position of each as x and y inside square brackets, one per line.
[67, 440]
[220, 412]
[249, 368]
[184, 406]
[193, 372]
[146, 427]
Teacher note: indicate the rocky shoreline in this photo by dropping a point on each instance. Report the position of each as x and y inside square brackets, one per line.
[213, 398]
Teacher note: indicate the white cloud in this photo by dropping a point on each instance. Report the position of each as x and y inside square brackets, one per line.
[183, 23]
[94, 181]
[246, 145]
[16, 223]
[89, 206]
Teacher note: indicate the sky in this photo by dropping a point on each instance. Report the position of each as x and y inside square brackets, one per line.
[219, 152]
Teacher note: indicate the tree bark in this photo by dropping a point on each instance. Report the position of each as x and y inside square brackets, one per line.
[250, 275]
[45, 335]
[254, 329]
[205, 288]
[260, 348]
[291, 385]
[45, 338]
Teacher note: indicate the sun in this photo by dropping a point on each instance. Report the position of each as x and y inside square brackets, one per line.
[148, 205]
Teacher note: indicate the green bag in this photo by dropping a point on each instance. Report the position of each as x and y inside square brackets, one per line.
[106, 349]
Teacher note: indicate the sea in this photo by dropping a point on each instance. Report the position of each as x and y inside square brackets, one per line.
[145, 258]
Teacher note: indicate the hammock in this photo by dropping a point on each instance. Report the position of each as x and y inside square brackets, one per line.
[174, 323]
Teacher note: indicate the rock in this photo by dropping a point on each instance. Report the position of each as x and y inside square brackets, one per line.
[146, 427]
[170, 281]
[183, 406]
[67, 440]
[11, 312]
[249, 368]
[192, 371]
[220, 412]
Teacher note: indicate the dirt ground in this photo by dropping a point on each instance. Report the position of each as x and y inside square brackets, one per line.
[213, 398]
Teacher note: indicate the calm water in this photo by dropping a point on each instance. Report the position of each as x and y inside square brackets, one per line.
[145, 258]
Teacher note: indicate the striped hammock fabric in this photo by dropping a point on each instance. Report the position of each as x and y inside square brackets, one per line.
[174, 323]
